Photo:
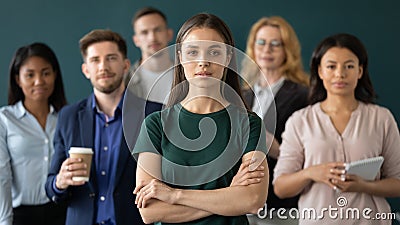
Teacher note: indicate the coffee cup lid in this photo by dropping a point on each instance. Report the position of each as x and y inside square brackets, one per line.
[80, 150]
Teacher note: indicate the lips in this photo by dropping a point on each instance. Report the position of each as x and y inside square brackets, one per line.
[203, 74]
[267, 58]
[105, 76]
[155, 45]
[40, 90]
[339, 84]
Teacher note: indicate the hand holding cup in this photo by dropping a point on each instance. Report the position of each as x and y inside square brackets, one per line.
[76, 169]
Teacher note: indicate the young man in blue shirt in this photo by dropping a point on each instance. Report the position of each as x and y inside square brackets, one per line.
[96, 122]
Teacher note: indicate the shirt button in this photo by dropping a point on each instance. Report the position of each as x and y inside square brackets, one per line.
[46, 141]
[105, 148]
[102, 198]
[103, 173]
[102, 222]
[46, 158]
[106, 125]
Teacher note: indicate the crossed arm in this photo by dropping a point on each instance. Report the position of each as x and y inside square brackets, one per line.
[159, 202]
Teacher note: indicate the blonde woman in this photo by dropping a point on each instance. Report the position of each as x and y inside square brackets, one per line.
[277, 85]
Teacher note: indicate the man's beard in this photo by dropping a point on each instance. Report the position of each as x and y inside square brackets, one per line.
[109, 88]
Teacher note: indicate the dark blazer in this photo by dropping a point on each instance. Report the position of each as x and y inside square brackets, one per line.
[75, 127]
[290, 98]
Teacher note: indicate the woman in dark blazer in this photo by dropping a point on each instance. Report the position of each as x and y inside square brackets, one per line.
[276, 86]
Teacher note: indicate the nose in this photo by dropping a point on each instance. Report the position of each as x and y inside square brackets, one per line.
[269, 47]
[152, 35]
[203, 63]
[103, 65]
[202, 59]
[39, 79]
[340, 72]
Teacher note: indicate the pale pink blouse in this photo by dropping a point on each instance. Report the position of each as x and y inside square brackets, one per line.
[311, 139]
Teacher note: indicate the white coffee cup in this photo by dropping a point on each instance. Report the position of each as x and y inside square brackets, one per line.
[86, 155]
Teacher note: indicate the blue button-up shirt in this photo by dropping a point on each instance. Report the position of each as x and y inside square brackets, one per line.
[25, 154]
[107, 141]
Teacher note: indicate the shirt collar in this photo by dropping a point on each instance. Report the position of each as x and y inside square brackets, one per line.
[20, 110]
[274, 87]
[96, 108]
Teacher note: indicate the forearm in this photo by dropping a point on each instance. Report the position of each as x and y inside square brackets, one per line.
[6, 209]
[289, 185]
[155, 209]
[389, 187]
[229, 201]
[273, 145]
[159, 211]
[274, 150]
[57, 160]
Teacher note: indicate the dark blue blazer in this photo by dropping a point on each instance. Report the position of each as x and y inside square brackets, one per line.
[75, 127]
[290, 98]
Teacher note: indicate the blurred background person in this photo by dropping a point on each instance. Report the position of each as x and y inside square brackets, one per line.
[342, 125]
[151, 76]
[279, 84]
[27, 125]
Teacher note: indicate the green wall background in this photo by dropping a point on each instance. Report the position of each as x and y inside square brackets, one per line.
[62, 23]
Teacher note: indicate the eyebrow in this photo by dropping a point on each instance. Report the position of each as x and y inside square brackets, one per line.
[215, 46]
[45, 68]
[96, 57]
[146, 29]
[347, 61]
[112, 54]
[196, 46]
[192, 46]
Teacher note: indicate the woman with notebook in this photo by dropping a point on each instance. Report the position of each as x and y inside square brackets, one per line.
[341, 126]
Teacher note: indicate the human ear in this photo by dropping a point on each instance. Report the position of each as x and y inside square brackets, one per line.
[170, 34]
[229, 58]
[17, 80]
[136, 40]
[179, 56]
[320, 72]
[85, 71]
[127, 65]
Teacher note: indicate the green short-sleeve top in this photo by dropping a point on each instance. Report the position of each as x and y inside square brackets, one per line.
[202, 151]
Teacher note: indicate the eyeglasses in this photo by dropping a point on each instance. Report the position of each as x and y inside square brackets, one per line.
[273, 45]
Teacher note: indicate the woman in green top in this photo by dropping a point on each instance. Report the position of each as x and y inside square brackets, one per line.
[197, 157]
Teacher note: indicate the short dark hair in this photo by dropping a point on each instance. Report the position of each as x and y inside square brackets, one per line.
[96, 36]
[364, 90]
[57, 98]
[147, 11]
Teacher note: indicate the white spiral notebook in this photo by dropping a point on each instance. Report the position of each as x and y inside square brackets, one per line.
[365, 168]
